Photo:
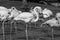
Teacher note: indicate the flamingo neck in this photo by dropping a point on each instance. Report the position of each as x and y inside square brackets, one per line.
[37, 16]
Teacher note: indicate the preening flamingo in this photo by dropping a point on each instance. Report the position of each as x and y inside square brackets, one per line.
[26, 17]
[30, 15]
[36, 11]
[47, 13]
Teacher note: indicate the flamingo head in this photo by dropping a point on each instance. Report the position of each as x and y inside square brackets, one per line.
[13, 8]
[38, 9]
[13, 13]
[47, 13]
[58, 15]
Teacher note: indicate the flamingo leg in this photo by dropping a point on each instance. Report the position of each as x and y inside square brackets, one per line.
[15, 27]
[26, 32]
[35, 24]
[30, 25]
[10, 30]
[3, 31]
[52, 34]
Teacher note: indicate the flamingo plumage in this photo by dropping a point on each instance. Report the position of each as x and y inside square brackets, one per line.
[13, 13]
[47, 13]
[29, 16]
[3, 13]
[3, 17]
[52, 22]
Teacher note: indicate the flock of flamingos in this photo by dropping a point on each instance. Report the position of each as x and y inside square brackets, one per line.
[31, 16]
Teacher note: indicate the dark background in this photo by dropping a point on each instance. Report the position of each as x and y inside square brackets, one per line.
[34, 0]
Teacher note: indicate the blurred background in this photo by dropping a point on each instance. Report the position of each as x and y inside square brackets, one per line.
[35, 32]
[53, 2]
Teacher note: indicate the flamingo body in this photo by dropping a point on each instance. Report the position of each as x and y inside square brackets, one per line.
[25, 16]
[3, 13]
[29, 16]
[52, 22]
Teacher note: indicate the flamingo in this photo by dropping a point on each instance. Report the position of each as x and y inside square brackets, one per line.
[52, 22]
[29, 17]
[3, 17]
[26, 17]
[13, 13]
[47, 13]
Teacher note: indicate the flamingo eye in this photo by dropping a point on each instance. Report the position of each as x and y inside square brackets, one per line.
[13, 8]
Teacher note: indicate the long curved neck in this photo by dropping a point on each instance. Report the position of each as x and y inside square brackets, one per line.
[36, 14]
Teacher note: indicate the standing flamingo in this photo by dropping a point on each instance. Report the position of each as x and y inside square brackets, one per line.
[52, 22]
[3, 17]
[13, 13]
[28, 17]
[47, 13]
